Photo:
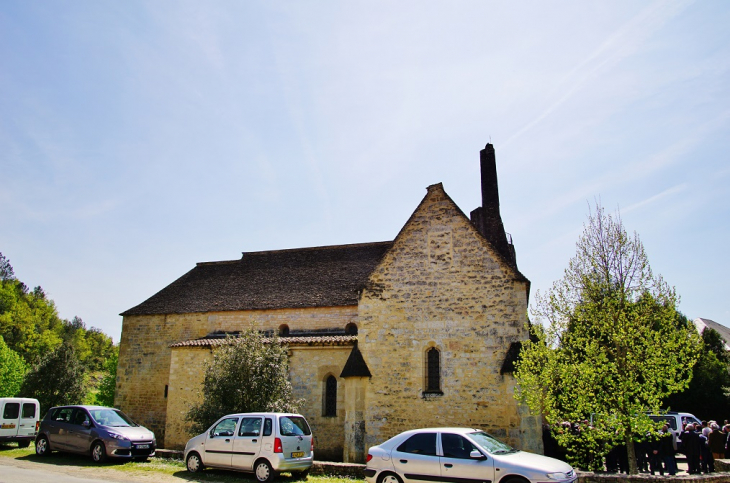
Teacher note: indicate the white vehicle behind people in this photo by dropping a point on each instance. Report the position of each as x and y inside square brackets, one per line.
[676, 421]
[264, 444]
[459, 455]
[18, 420]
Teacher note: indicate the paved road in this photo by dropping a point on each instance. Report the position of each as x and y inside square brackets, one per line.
[19, 471]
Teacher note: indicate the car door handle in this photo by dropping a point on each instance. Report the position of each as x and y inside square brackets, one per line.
[404, 461]
[228, 440]
[448, 465]
[254, 440]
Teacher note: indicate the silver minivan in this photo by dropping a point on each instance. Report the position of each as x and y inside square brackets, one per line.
[260, 443]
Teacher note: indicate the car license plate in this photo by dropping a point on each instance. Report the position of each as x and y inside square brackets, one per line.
[298, 454]
[143, 446]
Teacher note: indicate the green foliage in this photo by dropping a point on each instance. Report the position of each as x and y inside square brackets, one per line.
[6, 270]
[611, 348]
[57, 379]
[108, 384]
[707, 394]
[12, 370]
[30, 325]
[248, 373]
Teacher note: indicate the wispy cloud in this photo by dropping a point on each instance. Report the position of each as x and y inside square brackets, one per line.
[668, 192]
[623, 43]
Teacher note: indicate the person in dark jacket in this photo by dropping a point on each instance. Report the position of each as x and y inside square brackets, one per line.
[666, 445]
[691, 446]
[654, 449]
[707, 462]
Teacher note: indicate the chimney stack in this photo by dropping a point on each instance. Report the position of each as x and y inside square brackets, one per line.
[487, 218]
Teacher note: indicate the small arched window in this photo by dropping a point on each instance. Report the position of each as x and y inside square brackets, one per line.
[433, 370]
[330, 396]
[283, 330]
[351, 329]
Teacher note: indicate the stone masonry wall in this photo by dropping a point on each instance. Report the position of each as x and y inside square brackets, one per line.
[442, 285]
[308, 369]
[145, 355]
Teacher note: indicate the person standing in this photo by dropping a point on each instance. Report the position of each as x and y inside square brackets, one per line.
[666, 445]
[691, 447]
[716, 440]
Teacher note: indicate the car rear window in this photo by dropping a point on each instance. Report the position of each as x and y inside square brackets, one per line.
[28, 410]
[11, 411]
[294, 426]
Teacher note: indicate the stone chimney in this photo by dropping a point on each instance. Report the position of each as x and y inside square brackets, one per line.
[486, 218]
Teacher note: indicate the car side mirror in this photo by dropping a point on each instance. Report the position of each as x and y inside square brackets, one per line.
[86, 424]
[477, 455]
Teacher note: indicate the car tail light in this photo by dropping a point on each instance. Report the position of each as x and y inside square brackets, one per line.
[368, 458]
[37, 425]
[312, 444]
[277, 446]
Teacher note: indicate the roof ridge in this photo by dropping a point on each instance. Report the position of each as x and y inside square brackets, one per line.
[323, 247]
[291, 250]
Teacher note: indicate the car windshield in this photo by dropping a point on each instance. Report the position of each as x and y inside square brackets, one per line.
[111, 417]
[492, 445]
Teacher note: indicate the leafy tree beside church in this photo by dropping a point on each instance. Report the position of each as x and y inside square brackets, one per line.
[249, 373]
[611, 348]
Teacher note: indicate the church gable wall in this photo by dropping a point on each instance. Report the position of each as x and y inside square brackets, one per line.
[443, 286]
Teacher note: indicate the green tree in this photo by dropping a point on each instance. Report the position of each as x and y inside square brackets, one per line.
[12, 370]
[610, 348]
[57, 379]
[6, 270]
[108, 384]
[710, 380]
[249, 373]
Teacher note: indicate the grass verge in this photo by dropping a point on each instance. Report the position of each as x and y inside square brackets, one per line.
[153, 465]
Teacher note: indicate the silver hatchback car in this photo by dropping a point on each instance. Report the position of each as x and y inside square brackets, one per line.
[459, 455]
[260, 443]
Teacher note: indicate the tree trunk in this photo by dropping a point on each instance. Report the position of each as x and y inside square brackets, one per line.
[633, 469]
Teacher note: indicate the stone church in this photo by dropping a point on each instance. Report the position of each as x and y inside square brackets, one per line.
[382, 337]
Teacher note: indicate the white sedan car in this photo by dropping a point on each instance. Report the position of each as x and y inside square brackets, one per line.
[459, 455]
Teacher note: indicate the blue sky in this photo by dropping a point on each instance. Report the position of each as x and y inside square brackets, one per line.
[138, 138]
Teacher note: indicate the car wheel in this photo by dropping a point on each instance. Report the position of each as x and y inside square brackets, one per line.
[98, 452]
[263, 471]
[23, 444]
[42, 447]
[389, 478]
[193, 463]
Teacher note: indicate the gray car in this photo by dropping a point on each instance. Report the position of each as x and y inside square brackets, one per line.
[97, 431]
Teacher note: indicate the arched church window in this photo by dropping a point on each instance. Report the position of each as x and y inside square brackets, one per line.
[330, 396]
[351, 329]
[283, 330]
[433, 370]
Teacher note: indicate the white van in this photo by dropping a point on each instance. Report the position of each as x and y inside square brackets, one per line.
[18, 420]
[260, 443]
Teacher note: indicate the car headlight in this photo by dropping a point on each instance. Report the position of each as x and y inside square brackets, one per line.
[118, 436]
[557, 476]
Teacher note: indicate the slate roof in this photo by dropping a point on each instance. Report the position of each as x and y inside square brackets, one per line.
[297, 340]
[724, 332]
[355, 365]
[304, 277]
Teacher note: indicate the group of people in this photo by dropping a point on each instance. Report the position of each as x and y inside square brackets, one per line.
[703, 444]
[656, 453]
